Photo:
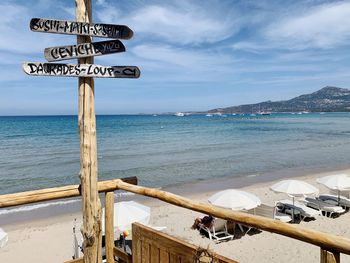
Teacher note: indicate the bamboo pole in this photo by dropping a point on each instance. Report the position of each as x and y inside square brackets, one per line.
[91, 229]
[326, 241]
[55, 193]
[109, 226]
[329, 257]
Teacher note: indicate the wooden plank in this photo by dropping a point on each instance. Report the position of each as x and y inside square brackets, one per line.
[154, 254]
[327, 241]
[109, 214]
[55, 193]
[136, 246]
[168, 245]
[329, 257]
[145, 252]
[163, 256]
[82, 70]
[174, 258]
[83, 50]
[81, 28]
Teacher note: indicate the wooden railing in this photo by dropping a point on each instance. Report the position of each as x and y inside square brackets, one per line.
[57, 193]
[331, 245]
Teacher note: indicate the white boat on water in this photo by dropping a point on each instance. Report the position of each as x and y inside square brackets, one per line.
[264, 113]
[179, 114]
[209, 115]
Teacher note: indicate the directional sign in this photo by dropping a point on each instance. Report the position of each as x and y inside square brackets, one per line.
[80, 28]
[83, 50]
[82, 70]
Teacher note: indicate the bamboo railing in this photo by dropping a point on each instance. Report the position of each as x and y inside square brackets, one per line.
[48, 194]
[331, 245]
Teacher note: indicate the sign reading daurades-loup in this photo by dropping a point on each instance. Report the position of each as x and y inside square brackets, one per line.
[82, 70]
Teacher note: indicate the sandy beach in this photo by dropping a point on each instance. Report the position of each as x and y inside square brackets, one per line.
[50, 239]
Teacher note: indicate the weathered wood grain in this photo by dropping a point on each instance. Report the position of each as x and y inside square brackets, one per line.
[83, 50]
[329, 257]
[109, 221]
[158, 247]
[35, 196]
[80, 28]
[82, 70]
[91, 204]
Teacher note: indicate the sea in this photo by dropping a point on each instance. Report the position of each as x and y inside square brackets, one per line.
[165, 150]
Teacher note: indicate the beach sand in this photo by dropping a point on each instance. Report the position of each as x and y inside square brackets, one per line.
[51, 239]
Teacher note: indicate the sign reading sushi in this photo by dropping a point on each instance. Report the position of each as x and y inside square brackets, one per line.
[80, 28]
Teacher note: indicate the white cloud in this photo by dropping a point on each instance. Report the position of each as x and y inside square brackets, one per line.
[182, 24]
[184, 58]
[324, 26]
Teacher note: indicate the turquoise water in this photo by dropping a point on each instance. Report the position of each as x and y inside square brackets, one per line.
[39, 152]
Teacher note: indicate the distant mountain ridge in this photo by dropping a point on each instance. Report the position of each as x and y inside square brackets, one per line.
[327, 99]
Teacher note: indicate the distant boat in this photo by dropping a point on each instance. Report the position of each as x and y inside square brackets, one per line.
[305, 112]
[234, 114]
[209, 115]
[264, 113]
[179, 114]
[299, 113]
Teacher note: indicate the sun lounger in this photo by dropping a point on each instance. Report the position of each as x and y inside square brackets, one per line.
[299, 209]
[333, 199]
[218, 232]
[271, 212]
[326, 208]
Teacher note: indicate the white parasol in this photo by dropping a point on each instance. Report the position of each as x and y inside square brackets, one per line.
[128, 212]
[235, 199]
[294, 188]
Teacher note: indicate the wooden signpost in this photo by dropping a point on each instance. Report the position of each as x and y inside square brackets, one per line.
[82, 70]
[83, 50]
[80, 28]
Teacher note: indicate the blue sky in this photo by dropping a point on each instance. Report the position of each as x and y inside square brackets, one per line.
[193, 55]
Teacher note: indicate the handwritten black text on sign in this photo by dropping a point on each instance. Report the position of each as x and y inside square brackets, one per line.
[82, 70]
[80, 28]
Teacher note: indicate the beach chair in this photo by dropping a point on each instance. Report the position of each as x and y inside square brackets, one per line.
[299, 209]
[218, 232]
[325, 208]
[333, 199]
[271, 212]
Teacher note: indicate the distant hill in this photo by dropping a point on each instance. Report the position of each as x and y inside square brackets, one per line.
[324, 100]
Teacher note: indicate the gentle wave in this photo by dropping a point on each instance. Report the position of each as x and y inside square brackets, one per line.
[35, 207]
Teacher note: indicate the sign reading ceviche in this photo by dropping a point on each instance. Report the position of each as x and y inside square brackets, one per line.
[83, 50]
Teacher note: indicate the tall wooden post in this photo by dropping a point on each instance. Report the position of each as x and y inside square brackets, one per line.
[88, 152]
